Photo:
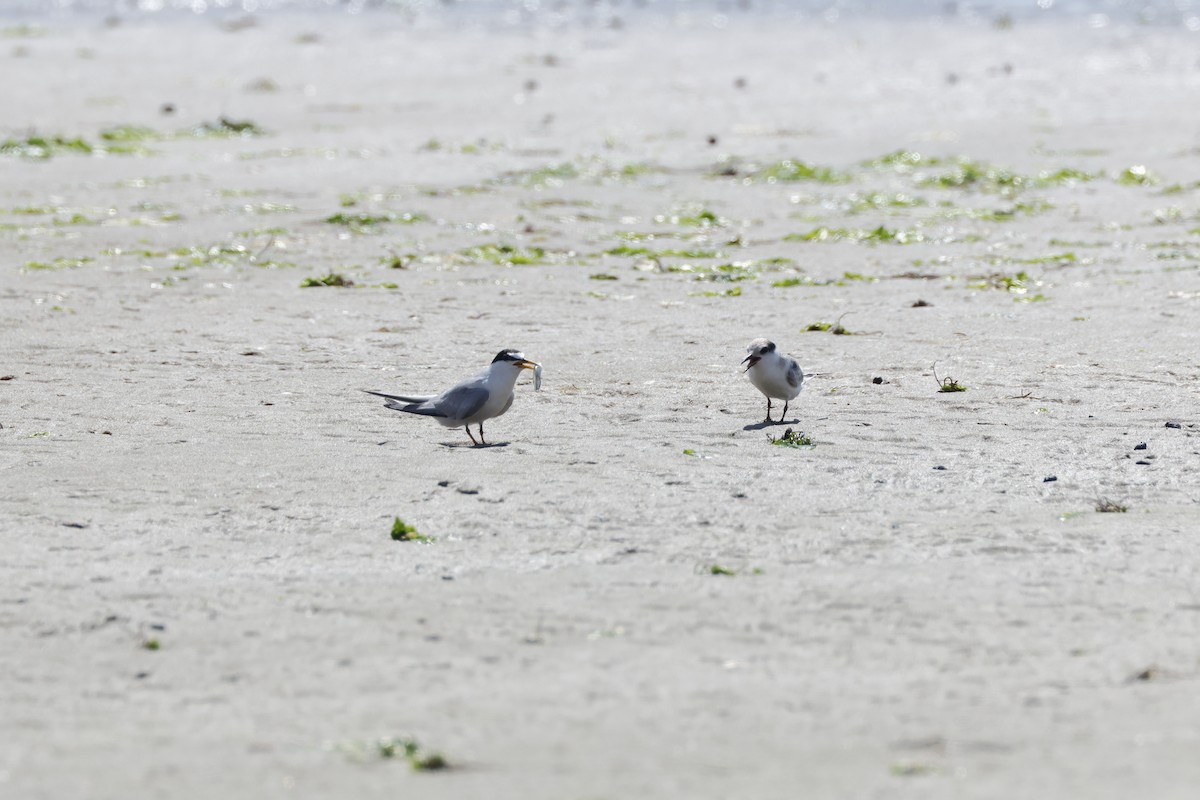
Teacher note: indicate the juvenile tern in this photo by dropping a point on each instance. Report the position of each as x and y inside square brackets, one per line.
[489, 394]
[774, 374]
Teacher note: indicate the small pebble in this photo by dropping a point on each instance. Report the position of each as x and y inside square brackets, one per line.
[1140, 446]
[1049, 479]
[1142, 462]
[1174, 425]
[939, 466]
[877, 380]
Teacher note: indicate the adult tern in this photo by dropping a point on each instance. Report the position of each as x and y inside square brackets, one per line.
[489, 394]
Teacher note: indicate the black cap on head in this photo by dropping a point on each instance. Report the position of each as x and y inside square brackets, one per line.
[508, 355]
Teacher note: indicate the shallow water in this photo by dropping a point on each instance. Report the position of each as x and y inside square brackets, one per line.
[522, 13]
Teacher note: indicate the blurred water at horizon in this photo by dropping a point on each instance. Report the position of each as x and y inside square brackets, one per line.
[1094, 13]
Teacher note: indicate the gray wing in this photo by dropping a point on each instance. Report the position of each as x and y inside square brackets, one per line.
[795, 375]
[461, 402]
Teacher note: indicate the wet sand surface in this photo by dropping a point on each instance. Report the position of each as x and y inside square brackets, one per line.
[199, 595]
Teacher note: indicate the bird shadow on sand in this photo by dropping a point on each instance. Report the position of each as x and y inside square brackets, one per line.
[758, 426]
[464, 445]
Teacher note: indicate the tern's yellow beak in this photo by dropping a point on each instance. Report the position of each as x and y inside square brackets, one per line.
[525, 363]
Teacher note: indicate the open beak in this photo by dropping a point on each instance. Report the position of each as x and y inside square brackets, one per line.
[752, 359]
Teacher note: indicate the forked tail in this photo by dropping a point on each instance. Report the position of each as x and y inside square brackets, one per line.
[412, 404]
[403, 398]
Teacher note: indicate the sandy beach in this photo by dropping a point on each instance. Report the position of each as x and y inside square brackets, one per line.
[635, 593]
